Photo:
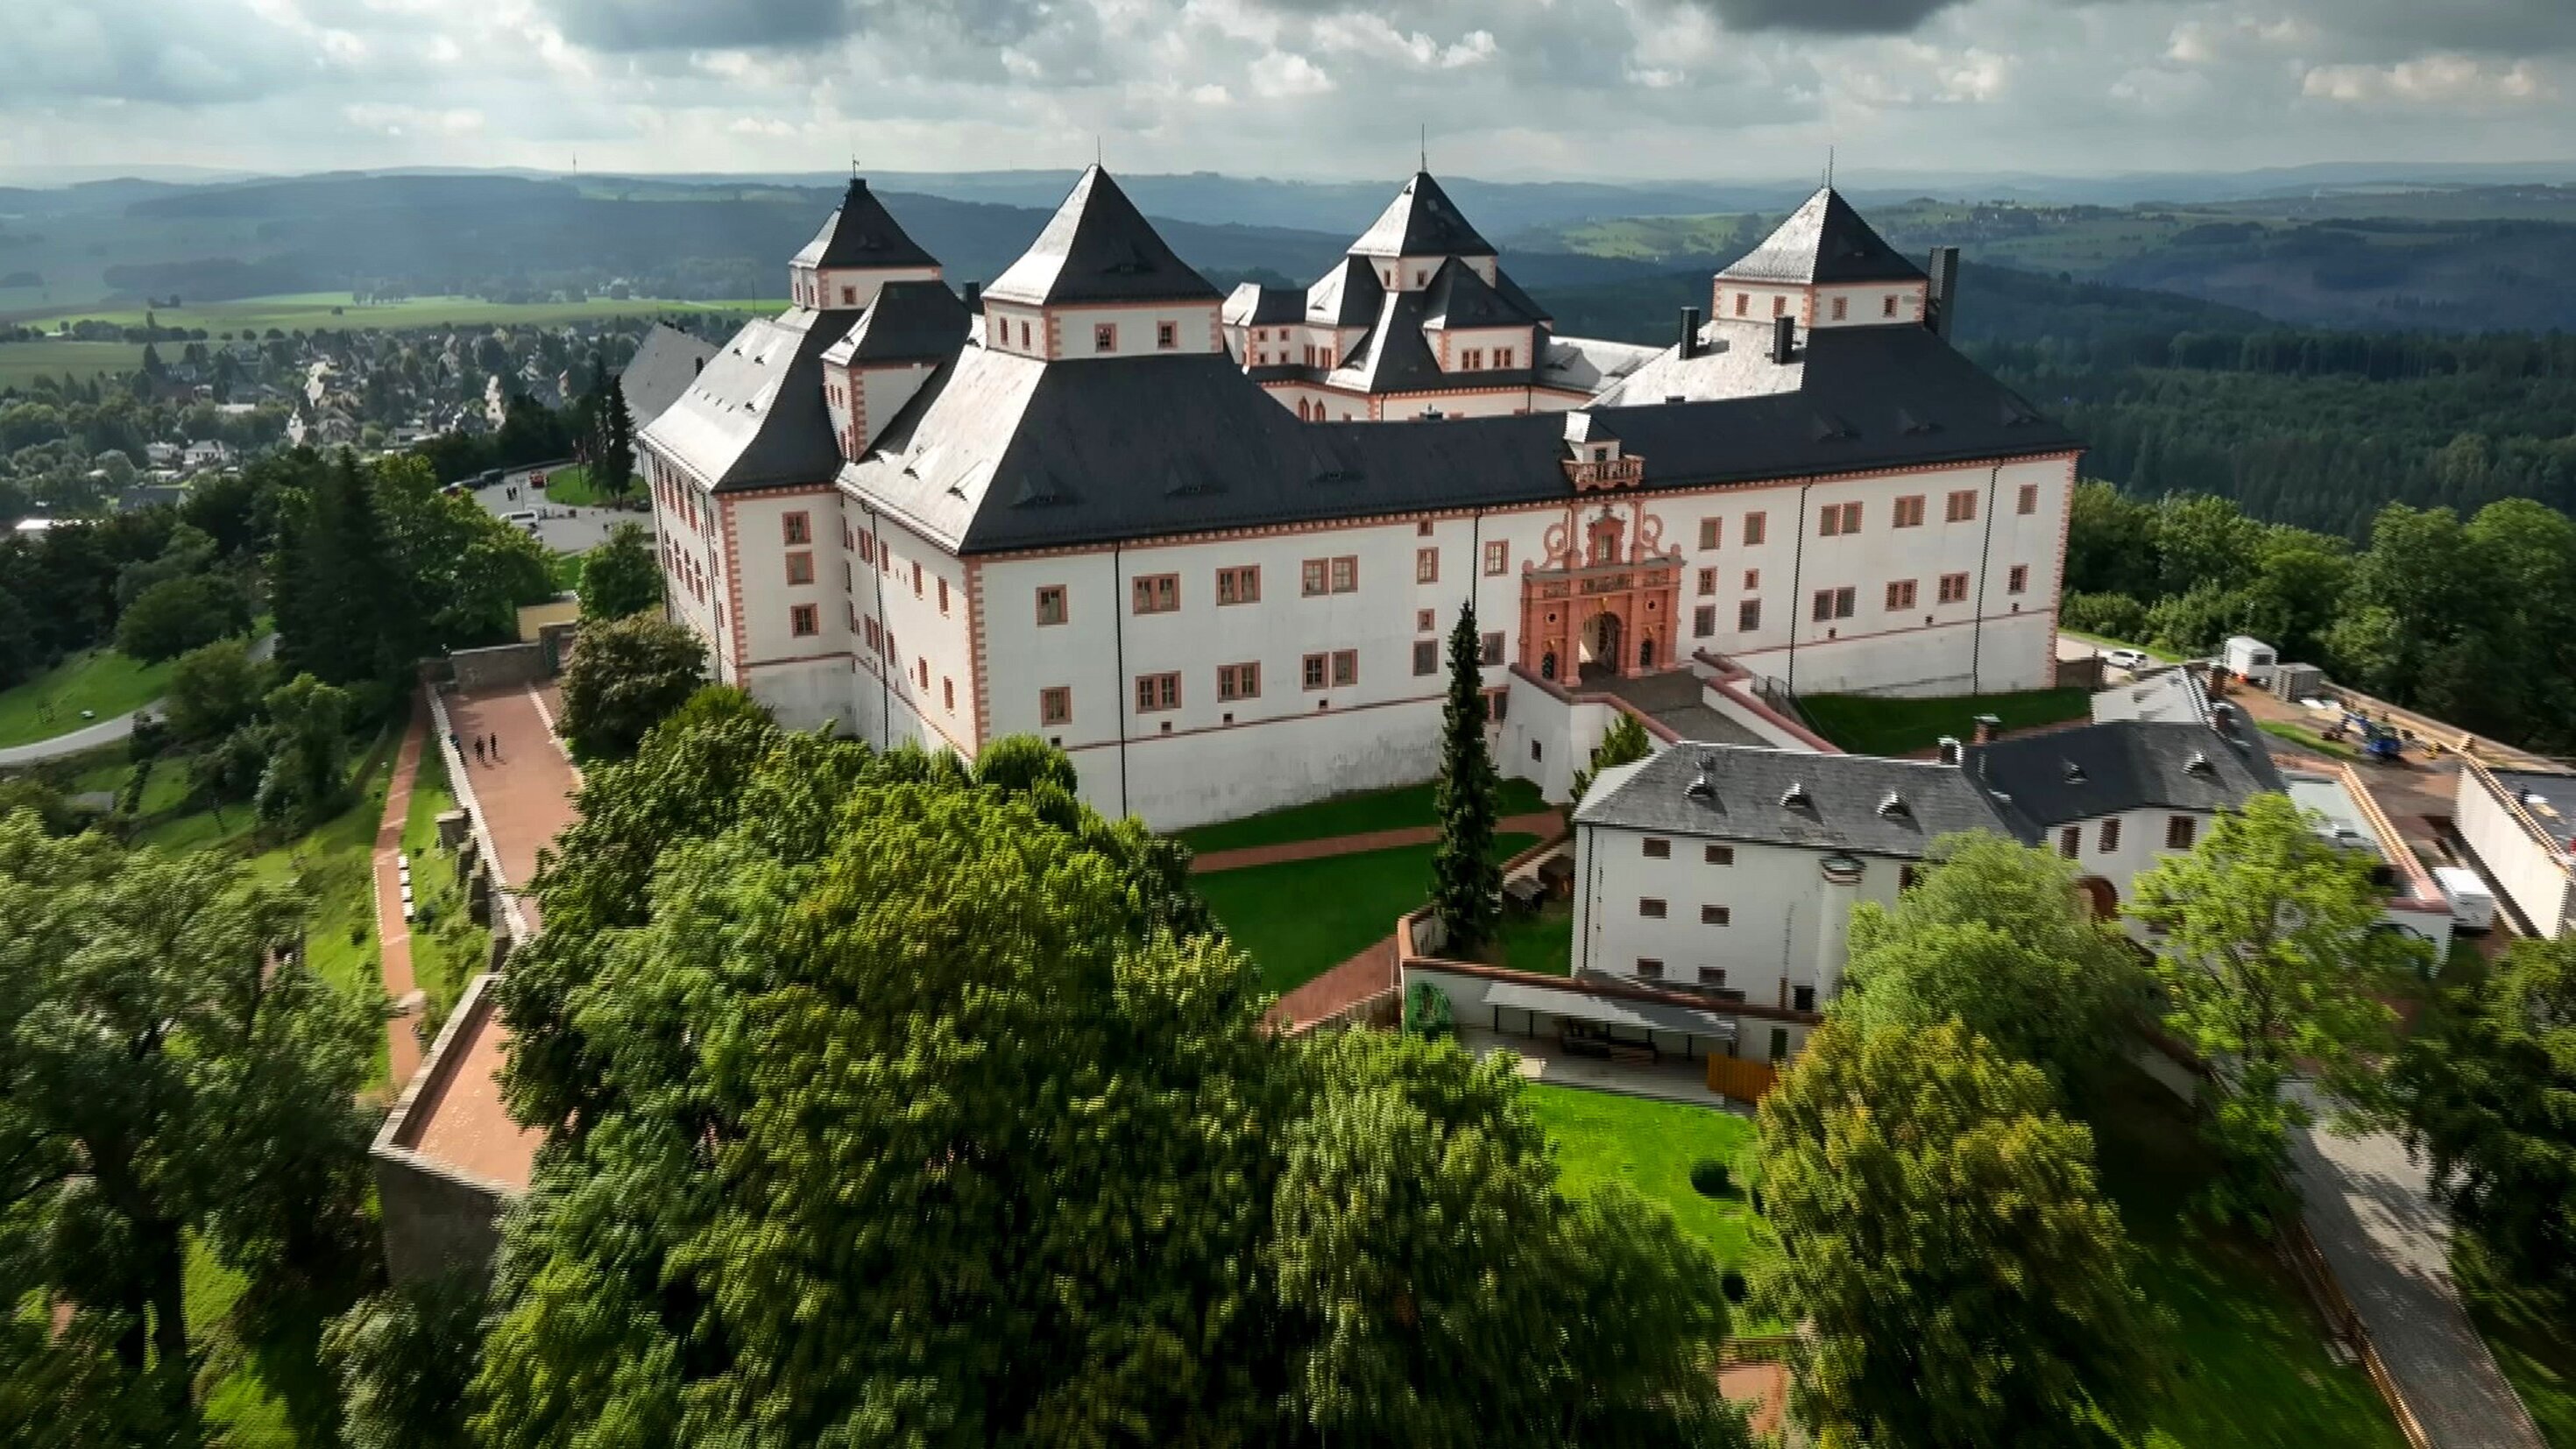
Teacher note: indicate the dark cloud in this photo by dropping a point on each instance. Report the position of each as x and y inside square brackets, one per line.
[2396, 28]
[1827, 17]
[633, 25]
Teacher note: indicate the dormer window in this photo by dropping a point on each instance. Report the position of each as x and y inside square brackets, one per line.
[1795, 797]
[2199, 764]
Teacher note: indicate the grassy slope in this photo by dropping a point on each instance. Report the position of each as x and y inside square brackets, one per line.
[1405, 805]
[100, 680]
[1871, 725]
[2256, 1374]
[447, 948]
[1303, 918]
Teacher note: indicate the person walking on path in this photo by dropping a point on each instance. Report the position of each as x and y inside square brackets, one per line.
[478, 749]
[496, 747]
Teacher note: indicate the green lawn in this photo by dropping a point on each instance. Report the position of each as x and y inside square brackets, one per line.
[1649, 1147]
[567, 569]
[335, 865]
[569, 487]
[335, 311]
[2533, 1338]
[1303, 918]
[2308, 740]
[2254, 1368]
[1874, 725]
[1395, 809]
[21, 363]
[99, 680]
[447, 948]
[1542, 942]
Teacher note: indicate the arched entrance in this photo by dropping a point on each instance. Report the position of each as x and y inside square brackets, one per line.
[1600, 640]
[2101, 898]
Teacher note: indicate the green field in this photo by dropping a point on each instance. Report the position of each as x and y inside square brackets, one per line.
[22, 363]
[1876, 725]
[1649, 1147]
[1301, 919]
[335, 311]
[1396, 809]
[101, 681]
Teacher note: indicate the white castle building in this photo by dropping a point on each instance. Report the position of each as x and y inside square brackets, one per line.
[1211, 546]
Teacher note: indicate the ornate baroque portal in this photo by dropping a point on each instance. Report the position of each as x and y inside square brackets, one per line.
[1603, 603]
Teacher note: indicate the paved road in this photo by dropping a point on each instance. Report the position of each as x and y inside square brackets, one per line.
[106, 731]
[2389, 1247]
[564, 530]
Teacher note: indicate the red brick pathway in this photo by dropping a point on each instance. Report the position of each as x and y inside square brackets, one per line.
[525, 799]
[1355, 980]
[393, 933]
[1542, 824]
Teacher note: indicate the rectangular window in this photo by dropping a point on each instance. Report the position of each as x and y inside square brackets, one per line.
[1310, 670]
[948, 694]
[2028, 502]
[1492, 652]
[797, 527]
[2110, 835]
[800, 567]
[1718, 855]
[1157, 593]
[1024, 332]
[1962, 506]
[1656, 848]
[2017, 579]
[1779, 306]
[1422, 528]
[2070, 841]
[1346, 667]
[1241, 585]
[1166, 336]
[2179, 830]
[1055, 705]
[1503, 356]
[1841, 308]
[1748, 616]
[1742, 301]
[1498, 559]
[1422, 620]
[1426, 656]
[1709, 529]
[1779, 1044]
[1753, 578]
[916, 581]
[1837, 518]
[1755, 529]
[1900, 594]
[1157, 692]
[1104, 337]
[1716, 916]
[1346, 573]
[804, 621]
[1954, 588]
[875, 640]
[1707, 582]
[1887, 306]
[1426, 565]
[1703, 621]
[1238, 681]
[1909, 511]
[1310, 577]
[1650, 908]
[1712, 976]
[1803, 998]
[1834, 604]
[943, 596]
[1050, 604]
[1650, 968]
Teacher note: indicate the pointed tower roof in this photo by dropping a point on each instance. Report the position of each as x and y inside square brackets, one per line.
[1099, 248]
[1421, 222]
[860, 233]
[1824, 241]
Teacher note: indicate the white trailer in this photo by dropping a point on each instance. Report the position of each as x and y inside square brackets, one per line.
[2473, 906]
[2251, 660]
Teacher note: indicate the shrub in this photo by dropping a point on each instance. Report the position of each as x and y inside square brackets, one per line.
[1731, 1283]
[1426, 1012]
[1710, 1178]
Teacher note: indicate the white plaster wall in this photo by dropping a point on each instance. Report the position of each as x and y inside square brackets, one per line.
[1470, 1002]
[2533, 877]
[1453, 345]
[679, 538]
[1777, 897]
[883, 390]
[865, 283]
[1866, 306]
[923, 633]
[757, 524]
[1194, 329]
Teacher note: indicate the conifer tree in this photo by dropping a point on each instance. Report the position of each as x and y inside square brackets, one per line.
[1467, 885]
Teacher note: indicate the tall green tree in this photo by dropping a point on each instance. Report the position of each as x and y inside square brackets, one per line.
[177, 615]
[404, 1359]
[1995, 935]
[621, 576]
[305, 781]
[626, 676]
[2272, 962]
[215, 690]
[612, 452]
[1466, 881]
[170, 1070]
[337, 597]
[1624, 742]
[2486, 1089]
[1961, 1280]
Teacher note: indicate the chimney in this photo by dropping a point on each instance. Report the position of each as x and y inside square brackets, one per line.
[2222, 718]
[1690, 333]
[1987, 725]
[1945, 291]
[697, 365]
[1949, 749]
[1784, 340]
[974, 296]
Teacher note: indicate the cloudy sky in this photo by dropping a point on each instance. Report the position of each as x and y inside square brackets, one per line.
[1712, 89]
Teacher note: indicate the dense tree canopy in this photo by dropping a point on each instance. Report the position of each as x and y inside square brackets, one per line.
[621, 576]
[2271, 961]
[1994, 935]
[626, 676]
[1962, 1281]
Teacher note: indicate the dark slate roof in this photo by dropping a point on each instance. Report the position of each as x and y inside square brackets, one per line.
[1000, 452]
[1347, 296]
[756, 417]
[1099, 248]
[1824, 241]
[2059, 776]
[663, 366]
[1421, 222]
[1783, 797]
[1395, 357]
[1252, 305]
[861, 233]
[1458, 298]
[908, 322]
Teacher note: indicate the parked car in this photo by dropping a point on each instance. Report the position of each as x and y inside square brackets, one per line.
[2129, 659]
[524, 517]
